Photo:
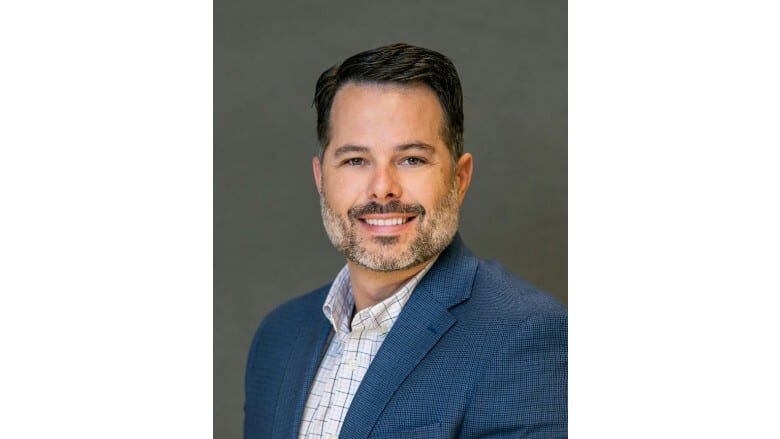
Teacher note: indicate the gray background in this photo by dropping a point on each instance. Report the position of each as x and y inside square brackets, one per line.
[269, 244]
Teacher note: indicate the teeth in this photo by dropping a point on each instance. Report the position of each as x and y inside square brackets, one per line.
[386, 222]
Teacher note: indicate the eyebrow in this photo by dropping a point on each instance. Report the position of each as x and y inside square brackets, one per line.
[347, 149]
[415, 145]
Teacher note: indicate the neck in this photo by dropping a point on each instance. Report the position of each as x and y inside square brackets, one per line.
[371, 287]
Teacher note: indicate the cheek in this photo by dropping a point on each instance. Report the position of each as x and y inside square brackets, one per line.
[341, 192]
[427, 192]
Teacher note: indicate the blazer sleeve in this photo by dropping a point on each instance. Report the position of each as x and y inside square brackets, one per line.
[523, 391]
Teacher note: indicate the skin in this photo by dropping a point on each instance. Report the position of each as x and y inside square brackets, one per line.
[386, 147]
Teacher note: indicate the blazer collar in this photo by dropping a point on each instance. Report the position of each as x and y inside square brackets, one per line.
[423, 321]
[450, 279]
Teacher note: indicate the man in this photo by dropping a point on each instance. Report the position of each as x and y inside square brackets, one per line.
[415, 338]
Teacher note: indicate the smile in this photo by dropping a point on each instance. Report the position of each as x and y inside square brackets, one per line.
[387, 221]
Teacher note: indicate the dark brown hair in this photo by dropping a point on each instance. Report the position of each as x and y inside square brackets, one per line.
[400, 64]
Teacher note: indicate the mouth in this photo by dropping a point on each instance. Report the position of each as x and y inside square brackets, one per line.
[386, 223]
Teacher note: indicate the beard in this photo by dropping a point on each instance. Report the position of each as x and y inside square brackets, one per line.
[432, 234]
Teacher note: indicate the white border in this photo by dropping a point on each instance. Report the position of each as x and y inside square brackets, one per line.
[106, 230]
[673, 233]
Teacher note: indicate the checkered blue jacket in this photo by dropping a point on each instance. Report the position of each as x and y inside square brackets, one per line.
[475, 353]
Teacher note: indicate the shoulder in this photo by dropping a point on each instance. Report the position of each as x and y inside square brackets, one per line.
[508, 315]
[523, 338]
[484, 289]
[279, 328]
[292, 312]
[510, 298]
[512, 320]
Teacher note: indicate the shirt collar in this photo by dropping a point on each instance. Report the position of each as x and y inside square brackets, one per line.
[340, 303]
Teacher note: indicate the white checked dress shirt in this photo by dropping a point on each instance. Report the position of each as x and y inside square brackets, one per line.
[349, 354]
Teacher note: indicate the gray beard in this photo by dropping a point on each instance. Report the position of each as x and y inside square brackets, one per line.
[434, 232]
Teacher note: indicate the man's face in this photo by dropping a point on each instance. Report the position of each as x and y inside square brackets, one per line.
[389, 190]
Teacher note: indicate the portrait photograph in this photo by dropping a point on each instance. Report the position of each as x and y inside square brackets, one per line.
[270, 245]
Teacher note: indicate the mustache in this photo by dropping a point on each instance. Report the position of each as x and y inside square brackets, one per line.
[395, 206]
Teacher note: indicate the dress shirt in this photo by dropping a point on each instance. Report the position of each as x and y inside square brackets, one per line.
[349, 353]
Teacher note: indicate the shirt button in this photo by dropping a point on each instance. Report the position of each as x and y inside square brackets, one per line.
[332, 436]
[353, 364]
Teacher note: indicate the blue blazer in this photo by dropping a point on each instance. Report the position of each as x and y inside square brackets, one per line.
[476, 352]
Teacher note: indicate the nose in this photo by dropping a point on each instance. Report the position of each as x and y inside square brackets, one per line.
[384, 184]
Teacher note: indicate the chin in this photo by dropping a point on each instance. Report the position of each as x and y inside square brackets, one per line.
[383, 261]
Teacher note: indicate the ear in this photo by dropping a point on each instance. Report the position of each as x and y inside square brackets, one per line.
[463, 173]
[316, 167]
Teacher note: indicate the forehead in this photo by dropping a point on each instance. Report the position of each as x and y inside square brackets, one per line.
[385, 115]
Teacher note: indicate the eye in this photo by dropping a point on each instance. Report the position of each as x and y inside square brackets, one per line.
[413, 161]
[354, 161]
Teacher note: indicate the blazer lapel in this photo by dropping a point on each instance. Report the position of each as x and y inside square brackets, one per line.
[423, 321]
[301, 368]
